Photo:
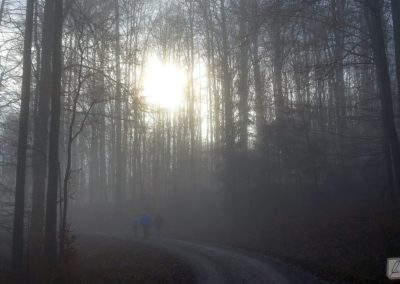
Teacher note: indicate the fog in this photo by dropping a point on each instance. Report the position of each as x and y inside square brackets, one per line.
[188, 126]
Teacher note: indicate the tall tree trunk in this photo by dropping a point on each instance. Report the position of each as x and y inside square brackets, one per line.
[226, 84]
[40, 136]
[2, 5]
[278, 66]
[258, 84]
[118, 124]
[67, 174]
[18, 227]
[396, 36]
[103, 174]
[102, 135]
[36, 42]
[339, 86]
[243, 87]
[125, 153]
[214, 96]
[374, 19]
[53, 179]
[319, 93]
[230, 183]
[94, 163]
[205, 5]
[70, 141]
[191, 101]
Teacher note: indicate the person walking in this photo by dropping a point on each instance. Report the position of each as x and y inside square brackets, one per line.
[145, 222]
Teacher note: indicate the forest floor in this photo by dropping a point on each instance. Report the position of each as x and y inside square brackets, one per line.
[353, 249]
[96, 259]
[340, 243]
[108, 260]
[341, 250]
[344, 250]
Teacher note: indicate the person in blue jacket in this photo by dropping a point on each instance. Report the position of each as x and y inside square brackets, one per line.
[145, 222]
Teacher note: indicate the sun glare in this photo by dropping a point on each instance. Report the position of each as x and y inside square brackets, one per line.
[164, 84]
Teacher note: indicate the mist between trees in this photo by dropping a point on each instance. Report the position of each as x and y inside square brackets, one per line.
[286, 115]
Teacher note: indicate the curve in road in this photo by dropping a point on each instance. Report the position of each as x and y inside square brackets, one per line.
[212, 264]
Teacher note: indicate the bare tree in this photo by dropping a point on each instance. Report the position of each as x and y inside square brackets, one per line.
[396, 36]
[19, 209]
[40, 134]
[243, 88]
[2, 5]
[118, 113]
[54, 166]
[374, 19]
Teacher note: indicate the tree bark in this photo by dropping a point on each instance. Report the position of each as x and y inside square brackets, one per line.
[53, 179]
[67, 175]
[118, 124]
[396, 37]
[243, 87]
[258, 84]
[102, 134]
[279, 101]
[226, 84]
[192, 101]
[230, 181]
[18, 226]
[40, 136]
[339, 86]
[2, 5]
[374, 19]
[94, 164]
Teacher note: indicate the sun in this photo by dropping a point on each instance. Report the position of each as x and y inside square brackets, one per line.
[164, 84]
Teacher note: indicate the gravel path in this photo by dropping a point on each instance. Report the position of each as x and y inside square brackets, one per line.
[212, 264]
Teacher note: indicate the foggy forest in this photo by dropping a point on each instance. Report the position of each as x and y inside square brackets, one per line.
[199, 141]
